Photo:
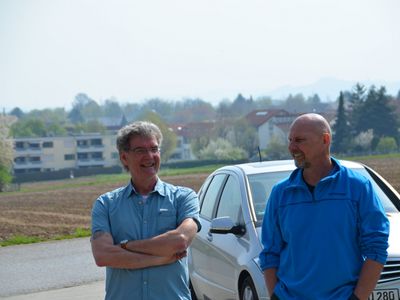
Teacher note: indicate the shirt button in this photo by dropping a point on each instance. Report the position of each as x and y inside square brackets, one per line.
[145, 282]
[140, 202]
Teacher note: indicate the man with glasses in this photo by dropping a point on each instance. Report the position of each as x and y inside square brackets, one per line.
[141, 231]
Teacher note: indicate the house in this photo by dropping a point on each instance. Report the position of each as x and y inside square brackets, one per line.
[271, 125]
[274, 124]
[185, 134]
[41, 154]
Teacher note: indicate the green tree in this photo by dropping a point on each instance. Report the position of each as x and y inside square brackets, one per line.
[245, 136]
[84, 108]
[6, 151]
[341, 129]
[356, 103]
[276, 150]
[363, 141]
[17, 112]
[199, 143]
[193, 110]
[111, 108]
[222, 149]
[75, 116]
[295, 103]
[386, 145]
[29, 128]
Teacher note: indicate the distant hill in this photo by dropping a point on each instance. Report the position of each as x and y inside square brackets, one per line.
[328, 89]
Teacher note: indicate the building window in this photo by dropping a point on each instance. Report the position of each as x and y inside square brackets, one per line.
[83, 156]
[69, 157]
[82, 143]
[34, 146]
[96, 142]
[47, 144]
[20, 160]
[34, 159]
[19, 145]
[97, 155]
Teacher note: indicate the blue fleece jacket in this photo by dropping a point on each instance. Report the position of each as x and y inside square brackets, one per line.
[318, 241]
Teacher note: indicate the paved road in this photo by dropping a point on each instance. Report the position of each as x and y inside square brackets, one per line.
[26, 269]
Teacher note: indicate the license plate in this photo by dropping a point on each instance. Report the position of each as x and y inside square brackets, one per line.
[392, 294]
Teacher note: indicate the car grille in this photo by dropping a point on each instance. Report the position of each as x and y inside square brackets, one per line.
[391, 271]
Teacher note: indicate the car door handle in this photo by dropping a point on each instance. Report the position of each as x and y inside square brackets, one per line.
[209, 237]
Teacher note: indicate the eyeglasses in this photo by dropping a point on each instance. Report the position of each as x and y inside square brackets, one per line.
[143, 151]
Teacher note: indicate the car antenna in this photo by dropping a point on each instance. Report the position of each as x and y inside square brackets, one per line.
[259, 153]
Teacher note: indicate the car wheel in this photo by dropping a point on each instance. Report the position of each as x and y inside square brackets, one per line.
[248, 290]
[192, 293]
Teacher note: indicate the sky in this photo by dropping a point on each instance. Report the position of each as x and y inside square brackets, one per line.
[133, 50]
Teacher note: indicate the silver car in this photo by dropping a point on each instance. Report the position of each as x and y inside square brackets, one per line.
[223, 258]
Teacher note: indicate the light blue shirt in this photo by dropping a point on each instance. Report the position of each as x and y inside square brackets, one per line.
[126, 215]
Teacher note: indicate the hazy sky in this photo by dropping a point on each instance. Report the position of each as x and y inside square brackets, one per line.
[51, 50]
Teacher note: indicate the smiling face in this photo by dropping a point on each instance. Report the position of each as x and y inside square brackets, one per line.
[142, 160]
[309, 141]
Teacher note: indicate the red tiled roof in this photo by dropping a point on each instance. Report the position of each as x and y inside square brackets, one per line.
[260, 116]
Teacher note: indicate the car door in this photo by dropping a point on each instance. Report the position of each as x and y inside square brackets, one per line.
[201, 270]
[227, 249]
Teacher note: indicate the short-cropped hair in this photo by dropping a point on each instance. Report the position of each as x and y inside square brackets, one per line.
[138, 128]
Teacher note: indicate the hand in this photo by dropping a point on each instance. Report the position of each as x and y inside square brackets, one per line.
[181, 254]
[353, 297]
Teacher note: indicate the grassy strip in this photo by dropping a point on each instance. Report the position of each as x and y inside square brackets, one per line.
[371, 157]
[107, 178]
[22, 239]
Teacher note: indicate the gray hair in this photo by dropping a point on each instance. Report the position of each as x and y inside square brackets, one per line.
[138, 128]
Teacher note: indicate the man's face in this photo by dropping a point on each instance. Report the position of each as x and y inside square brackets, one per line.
[305, 145]
[142, 158]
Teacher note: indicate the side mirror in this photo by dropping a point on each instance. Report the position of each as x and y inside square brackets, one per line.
[225, 225]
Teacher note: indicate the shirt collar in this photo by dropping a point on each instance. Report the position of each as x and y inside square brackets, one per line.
[159, 188]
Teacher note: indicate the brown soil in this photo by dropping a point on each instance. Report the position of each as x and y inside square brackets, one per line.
[52, 213]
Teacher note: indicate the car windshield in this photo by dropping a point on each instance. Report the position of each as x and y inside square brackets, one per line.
[261, 186]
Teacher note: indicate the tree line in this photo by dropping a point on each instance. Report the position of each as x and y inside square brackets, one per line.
[367, 120]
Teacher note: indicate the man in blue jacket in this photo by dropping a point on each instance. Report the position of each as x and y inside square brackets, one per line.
[325, 233]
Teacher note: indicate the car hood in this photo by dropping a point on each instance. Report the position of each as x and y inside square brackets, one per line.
[394, 241]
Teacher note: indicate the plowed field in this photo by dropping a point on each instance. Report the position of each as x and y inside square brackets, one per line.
[47, 214]
[59, 211]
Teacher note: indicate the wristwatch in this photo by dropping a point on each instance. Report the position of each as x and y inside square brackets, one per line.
[123, 244]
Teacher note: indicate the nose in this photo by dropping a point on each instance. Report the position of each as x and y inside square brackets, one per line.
[292, 145]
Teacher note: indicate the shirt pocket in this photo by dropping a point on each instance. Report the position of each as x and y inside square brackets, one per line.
[166, 220]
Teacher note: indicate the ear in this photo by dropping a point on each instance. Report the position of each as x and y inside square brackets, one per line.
[123, 158]
[326, 137]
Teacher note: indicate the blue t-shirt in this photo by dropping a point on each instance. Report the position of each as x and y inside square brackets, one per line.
[126, 215]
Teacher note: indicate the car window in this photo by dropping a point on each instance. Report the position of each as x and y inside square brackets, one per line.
[261, 186]
[210, 196]
[230, 202]
[203, 189]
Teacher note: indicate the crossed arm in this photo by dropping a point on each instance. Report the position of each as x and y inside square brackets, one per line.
[159, 250]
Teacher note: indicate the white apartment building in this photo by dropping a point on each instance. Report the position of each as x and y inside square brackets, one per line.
[71, 152]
